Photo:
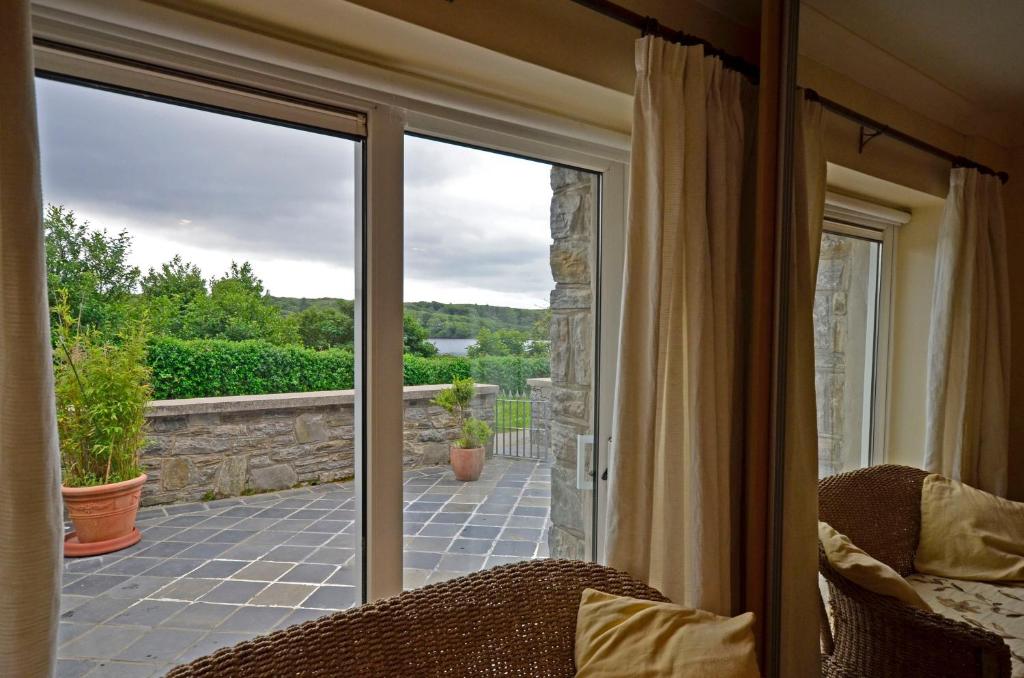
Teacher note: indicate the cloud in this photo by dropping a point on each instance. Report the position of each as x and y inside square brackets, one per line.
[217, 188]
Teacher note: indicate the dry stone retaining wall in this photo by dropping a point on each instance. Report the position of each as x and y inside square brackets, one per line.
[225, 447]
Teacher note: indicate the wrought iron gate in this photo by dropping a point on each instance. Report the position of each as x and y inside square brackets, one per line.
[521, 426]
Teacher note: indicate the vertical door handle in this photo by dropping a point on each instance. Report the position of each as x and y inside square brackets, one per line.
[583, 476]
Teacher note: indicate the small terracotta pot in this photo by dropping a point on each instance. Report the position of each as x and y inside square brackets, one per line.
[467, 463]
[103, 516]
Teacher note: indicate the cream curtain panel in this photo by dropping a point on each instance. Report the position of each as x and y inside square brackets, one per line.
[969, 343]
[799, 654]
[30, 503]
[670, 501]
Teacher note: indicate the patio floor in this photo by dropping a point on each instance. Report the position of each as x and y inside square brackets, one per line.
[208, 575]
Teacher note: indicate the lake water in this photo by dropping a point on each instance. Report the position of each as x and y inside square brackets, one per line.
[452, 346]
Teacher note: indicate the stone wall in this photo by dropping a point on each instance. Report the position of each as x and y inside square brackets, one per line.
[572, 226]
[223, 447]
[840, 343]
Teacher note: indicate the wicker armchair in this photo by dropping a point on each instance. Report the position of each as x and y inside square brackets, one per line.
[879, 509]
[513, 620]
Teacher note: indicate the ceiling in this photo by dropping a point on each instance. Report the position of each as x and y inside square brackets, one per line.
[973, 48]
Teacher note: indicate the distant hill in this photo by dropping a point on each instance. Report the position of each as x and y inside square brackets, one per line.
[444, 321]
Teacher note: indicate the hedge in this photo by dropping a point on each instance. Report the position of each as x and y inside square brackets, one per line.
[203, 368]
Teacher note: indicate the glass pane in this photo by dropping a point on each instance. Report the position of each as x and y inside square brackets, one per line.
[845, 331]
[499, 289]
[231, 242]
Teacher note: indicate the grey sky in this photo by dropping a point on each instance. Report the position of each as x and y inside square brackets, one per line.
[215, 188]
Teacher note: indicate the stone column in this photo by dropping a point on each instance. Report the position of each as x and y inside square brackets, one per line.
[572, 343]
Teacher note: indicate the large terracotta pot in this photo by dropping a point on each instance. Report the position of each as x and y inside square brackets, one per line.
[467, 463]
[103, 516]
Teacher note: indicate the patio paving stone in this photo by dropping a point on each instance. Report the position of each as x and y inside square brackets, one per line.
[211, 574]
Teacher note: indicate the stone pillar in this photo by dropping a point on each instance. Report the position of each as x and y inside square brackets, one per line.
[841, 311]
[572, 342]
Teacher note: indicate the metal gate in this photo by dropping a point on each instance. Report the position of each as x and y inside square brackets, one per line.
[521, 426]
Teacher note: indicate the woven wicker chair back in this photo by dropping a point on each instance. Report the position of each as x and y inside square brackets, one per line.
[879, 509]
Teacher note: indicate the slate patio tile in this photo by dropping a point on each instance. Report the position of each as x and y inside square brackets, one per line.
[200, 616]
[67, 631]
[431, 544]
[94, 584]
[101, 642]
[458, 562]
[138, 587]
[118, 669]
[332, 598]
[330, 556]
[184, 521]
[289, 554]
[246, 551]
[308, 573]
[131, 566]
[480, 532]
[283, 594]
[147, 613]
[262, 571]
[194, 535]
[98, 609]
[521, 534]
[238, 592]
[299, 616]
[472, 546]
[162, 645]
[331, 527]
[514, 548]
[174, 567]
[185, 589]
[253, 619]
[453, 518]
[164, 549]
[344, 576]
[269, 537]
[74, 668]
[231, 536]
[204, 551]
[420, 560]
[217, 569]
[210, 643]
[309, 538]
[440, 530]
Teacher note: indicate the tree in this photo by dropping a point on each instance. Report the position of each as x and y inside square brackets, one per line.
[236, 309]
[415, 338]
[91, 266]
[169, 293]
[322, 328]
[176, 278]
[502, 342]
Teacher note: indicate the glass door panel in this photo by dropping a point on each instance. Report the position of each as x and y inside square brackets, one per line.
[500, 288]
[231, 241]
[846, 322]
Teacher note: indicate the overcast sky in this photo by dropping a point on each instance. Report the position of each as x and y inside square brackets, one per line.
[214, 188]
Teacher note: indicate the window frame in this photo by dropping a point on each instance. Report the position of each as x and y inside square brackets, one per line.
[856, 218]
[150, 49]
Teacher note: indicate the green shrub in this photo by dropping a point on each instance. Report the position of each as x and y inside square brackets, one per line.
[199, 368]
[101, 391]
[456, 399]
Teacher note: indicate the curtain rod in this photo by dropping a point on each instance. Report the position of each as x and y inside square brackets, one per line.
[650, 26]
[882, 129]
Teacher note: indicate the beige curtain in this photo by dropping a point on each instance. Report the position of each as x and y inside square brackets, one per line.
[969, 344]
[30, 503]
[799, 566]
[670, 501]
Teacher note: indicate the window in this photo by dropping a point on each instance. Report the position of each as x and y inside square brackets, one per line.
[344, 544]
[851, 333]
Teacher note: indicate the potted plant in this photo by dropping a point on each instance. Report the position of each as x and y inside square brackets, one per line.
[467, 452]
[102, 389]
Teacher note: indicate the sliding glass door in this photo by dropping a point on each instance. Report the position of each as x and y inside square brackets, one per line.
[500, 291]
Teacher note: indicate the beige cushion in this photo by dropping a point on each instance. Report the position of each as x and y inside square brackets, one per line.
[621, 636]
[997, 608]
[860, 568]
[969, 534]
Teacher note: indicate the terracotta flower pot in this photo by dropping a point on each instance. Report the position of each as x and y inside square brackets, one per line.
[103, 516]
[467, 463]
